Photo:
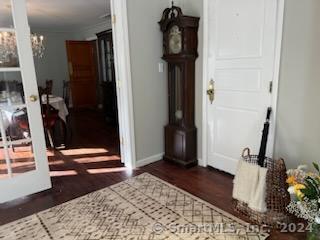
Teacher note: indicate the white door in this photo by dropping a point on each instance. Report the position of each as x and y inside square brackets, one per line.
[23, 161]
[241, 65]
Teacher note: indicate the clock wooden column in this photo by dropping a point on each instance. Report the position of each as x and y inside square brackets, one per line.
[180, 43]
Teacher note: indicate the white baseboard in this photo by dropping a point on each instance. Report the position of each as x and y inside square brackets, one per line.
[201, 163]
[148, 160]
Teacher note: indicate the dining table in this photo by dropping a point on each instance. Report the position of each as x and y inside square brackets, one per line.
[59, 104]
[14, 102]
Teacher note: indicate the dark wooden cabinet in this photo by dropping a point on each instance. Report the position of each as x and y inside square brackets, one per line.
[180, 43]
[107, 76]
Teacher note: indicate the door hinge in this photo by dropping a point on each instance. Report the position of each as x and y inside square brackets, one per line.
[270, 86]
[114, 19]
[121, 141]
[119, 84]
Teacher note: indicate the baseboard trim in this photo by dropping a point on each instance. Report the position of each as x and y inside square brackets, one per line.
[201, 163]
[148, 160]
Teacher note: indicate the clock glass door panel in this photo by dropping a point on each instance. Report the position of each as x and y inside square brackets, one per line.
[175, 40]
[177, 94]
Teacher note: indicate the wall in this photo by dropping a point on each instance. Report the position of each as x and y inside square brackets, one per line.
[54, 64]
[298, 123]
[89, 33]
[149, 86]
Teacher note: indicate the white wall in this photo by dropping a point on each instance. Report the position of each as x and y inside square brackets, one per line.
[149, 86]
[298, 123]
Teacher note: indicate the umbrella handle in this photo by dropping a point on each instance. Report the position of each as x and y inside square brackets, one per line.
[246, 153]
[269, 111]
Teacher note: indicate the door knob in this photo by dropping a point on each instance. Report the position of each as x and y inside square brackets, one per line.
[33, 98]
[211, 91]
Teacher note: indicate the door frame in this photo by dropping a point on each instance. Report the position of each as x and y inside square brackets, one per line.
[275, 85]
[121, 49]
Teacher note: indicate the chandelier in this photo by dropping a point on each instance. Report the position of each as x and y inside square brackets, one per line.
[37, 45]
[8, 46]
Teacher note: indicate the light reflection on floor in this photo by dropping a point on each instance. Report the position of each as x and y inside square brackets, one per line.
[92, 161]
[21, 161]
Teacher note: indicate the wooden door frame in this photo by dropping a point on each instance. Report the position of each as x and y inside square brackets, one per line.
[278, 42]
[121, 50]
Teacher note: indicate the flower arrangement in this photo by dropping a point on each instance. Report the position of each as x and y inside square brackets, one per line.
[304, 188]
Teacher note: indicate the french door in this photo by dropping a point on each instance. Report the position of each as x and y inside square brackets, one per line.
[241, 66]
[23, 161]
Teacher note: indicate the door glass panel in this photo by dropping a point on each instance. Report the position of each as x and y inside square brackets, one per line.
[16, 153]
[8, 46]
[8, 50]
[6, 20]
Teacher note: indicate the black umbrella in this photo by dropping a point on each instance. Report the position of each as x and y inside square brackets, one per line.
[264, 139]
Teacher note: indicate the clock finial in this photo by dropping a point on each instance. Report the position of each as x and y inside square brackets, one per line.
[172, 3]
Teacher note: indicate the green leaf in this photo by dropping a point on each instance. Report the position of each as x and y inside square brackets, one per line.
[316, 166]
[311, 191]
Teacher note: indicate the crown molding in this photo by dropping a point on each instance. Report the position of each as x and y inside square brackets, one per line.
[106, 22]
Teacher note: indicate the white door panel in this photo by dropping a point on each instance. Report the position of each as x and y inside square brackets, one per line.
[242, 35]
[238, 79]
[235, 19]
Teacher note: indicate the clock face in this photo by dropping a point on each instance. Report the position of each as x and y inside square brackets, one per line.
[175, 40]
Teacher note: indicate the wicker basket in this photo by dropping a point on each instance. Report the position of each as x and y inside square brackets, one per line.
[277, 196]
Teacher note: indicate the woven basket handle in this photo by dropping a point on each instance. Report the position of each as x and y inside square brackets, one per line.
[246, 153]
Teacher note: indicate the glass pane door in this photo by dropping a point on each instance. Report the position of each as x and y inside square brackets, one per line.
[23, 162]
[16, 156]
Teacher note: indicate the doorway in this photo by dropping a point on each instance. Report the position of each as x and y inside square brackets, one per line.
[93, 118]
[241, 65]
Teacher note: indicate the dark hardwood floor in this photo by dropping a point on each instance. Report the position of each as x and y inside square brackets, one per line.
[92, 162]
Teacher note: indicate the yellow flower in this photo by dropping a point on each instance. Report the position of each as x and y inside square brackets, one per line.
[297, 190]
[291, 180]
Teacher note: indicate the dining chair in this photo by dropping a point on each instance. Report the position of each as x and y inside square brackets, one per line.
[66, 92]
[19, 127]
[49, 86]
[19, 87]
[66, 98]
[50, 115]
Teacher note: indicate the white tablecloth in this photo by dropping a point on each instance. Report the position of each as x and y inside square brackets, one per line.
[59, 104]
[8, 107]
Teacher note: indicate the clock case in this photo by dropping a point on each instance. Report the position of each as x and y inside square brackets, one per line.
[181, 133]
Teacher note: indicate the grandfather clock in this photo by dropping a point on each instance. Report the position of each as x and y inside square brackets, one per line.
[180, 42]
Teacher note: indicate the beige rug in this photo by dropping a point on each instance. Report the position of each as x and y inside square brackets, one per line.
[140, 208]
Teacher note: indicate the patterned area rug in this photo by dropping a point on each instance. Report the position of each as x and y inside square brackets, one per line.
[140, 208]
